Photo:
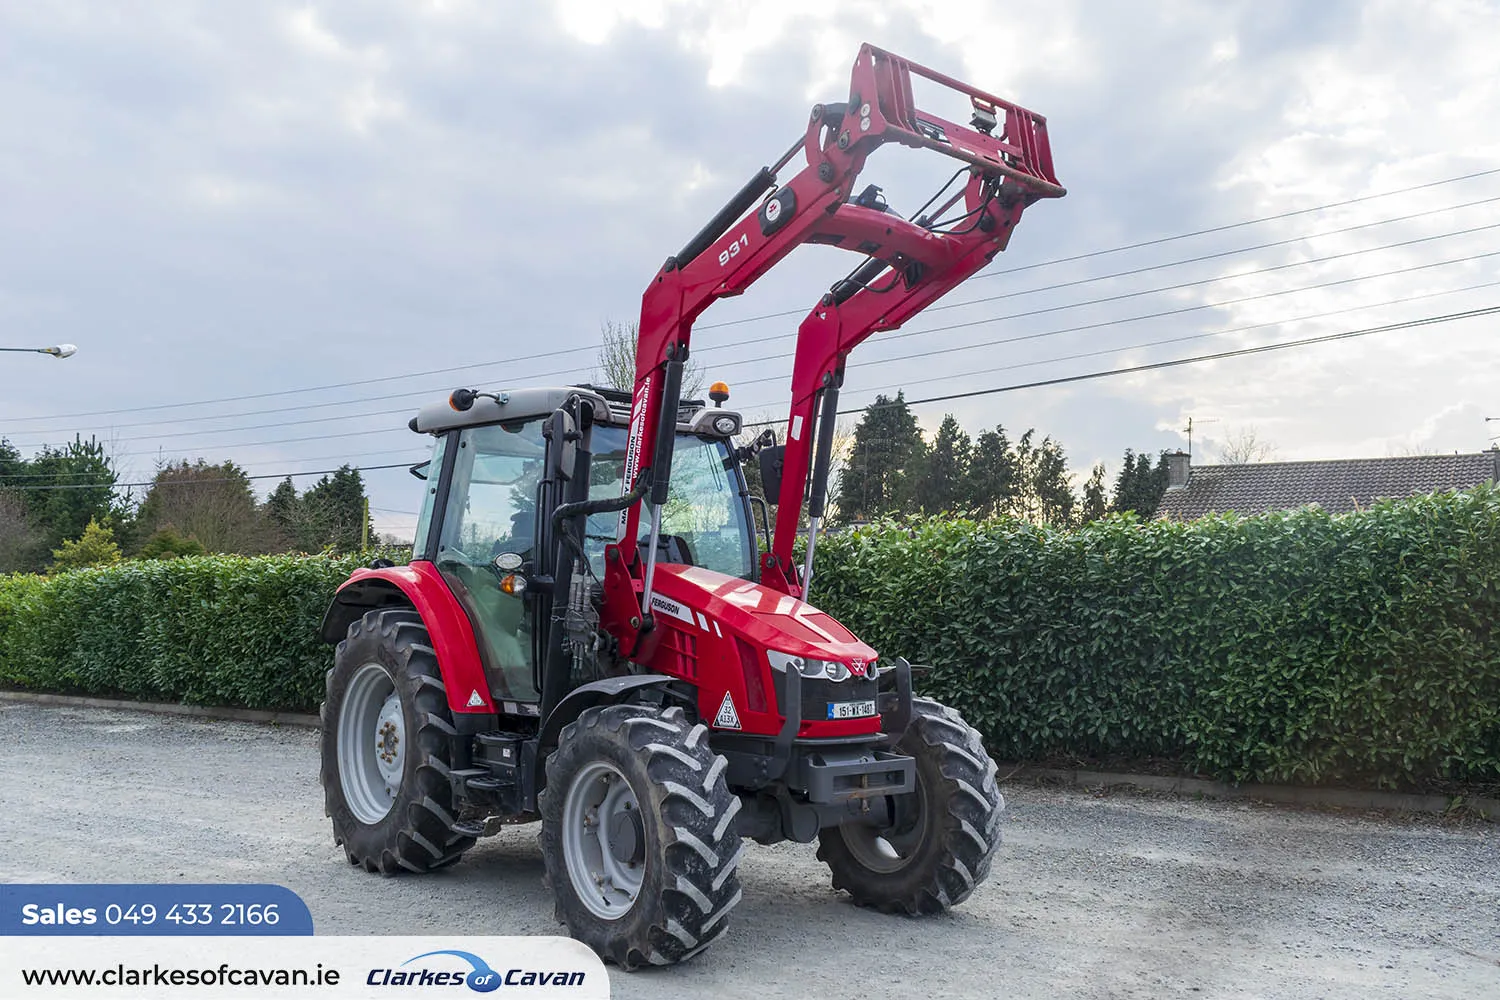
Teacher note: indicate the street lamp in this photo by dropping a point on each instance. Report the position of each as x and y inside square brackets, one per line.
[60, 351]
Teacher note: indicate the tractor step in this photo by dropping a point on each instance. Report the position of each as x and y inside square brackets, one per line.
[480, 779]
[468, 827]
[487, 783]
[492, 789]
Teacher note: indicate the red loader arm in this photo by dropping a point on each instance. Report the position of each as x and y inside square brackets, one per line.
[909, 265]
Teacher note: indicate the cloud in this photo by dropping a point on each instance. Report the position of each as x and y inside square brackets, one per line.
[219, 200]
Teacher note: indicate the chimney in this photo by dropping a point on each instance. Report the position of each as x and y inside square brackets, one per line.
[1179, 469]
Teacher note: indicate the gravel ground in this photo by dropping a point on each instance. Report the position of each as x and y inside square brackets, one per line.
[1114, 896]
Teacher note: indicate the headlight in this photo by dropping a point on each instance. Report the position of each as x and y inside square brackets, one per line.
[831, 670]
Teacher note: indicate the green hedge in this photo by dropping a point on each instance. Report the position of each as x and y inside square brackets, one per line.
[1295, 647]
[212, 630]
[1298, 647]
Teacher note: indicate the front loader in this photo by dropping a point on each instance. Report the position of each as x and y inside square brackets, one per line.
[589, 634]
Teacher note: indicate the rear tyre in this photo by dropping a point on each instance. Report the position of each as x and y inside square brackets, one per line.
[387, 750]
[638, 835]
[945, 833]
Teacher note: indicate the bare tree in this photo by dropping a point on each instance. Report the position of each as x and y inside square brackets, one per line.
[616, 359]
[21, 542]
[1408, 449]
[1245, 446]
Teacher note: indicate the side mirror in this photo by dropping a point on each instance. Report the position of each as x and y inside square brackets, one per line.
[563, 433]
[772, 461]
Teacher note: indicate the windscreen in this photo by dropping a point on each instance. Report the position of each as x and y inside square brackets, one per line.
[704, 510]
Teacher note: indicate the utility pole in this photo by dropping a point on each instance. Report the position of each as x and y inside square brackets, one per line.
[364, 528]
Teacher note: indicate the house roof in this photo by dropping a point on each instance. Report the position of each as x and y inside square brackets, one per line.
[1336, 486]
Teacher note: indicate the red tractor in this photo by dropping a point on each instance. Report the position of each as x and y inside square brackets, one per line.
[652, 700]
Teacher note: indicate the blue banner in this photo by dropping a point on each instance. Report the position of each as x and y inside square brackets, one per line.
[109, 909]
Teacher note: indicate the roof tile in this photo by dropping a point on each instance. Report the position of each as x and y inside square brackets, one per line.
[1337, 486]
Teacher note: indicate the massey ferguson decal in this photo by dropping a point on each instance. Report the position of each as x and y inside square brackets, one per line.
[633, 448]
[670, 607]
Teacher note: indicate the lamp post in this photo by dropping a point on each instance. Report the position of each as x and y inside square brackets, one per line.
[60, 351]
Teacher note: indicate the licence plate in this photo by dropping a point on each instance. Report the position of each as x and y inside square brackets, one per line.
[851, 709]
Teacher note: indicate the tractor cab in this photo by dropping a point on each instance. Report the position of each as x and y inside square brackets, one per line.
[491, 473]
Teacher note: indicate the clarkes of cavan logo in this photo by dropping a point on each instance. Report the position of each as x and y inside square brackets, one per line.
[480, 978]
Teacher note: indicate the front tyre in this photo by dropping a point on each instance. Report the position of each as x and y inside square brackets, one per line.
[944, 834]
[638, 835]
[387, 748]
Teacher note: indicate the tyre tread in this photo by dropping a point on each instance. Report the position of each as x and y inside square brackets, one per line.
[699, 850]
[411, 845]
[969, 827]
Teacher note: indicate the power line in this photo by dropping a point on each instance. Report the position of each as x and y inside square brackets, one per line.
[1306, 341]
[1426, 321]
[1175, 312]
[1176, 263]
[297, 408]
[777, 315]
[1175, 340]
[1229, 253]
[345, 459]
[1170, 312]
[1063, 380]
[1155, 242]
[1180, 340]
[197, 482]
[295, 440]
[314, 388]
[1239, 225]
[761, 359]
[912, 333]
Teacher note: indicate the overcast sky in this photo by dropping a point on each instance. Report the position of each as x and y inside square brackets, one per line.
[231, 199]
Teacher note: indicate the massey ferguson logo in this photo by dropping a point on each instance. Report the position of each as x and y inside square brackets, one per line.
[858, 668]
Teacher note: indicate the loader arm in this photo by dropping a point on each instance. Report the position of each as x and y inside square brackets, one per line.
[1008, 160]
[877, 298]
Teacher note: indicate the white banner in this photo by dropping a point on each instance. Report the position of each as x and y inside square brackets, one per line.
[135, 968]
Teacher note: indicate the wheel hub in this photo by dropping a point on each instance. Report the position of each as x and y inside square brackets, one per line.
[389, 749]
[604, 840]
[371, 744]
[627, 836]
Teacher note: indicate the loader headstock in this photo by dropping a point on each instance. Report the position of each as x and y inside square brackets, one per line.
[881, 105]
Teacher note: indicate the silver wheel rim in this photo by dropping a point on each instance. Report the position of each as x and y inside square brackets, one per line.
[372, 744]
[603, 840]
[890, 849]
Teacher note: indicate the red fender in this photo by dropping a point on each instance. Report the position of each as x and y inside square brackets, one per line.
[447, 624]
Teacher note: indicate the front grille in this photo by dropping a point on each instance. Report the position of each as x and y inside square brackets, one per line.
[818, 692]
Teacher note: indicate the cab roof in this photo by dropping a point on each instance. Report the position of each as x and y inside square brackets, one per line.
[611, 406]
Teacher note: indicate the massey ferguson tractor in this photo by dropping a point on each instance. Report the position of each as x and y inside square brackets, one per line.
[595, 632]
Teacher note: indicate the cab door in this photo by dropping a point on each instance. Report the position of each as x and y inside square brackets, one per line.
[491, 508]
